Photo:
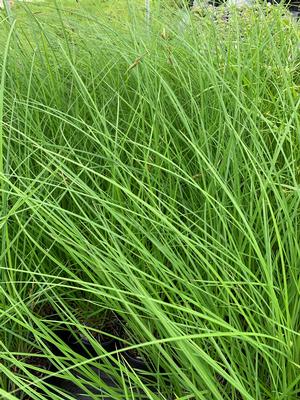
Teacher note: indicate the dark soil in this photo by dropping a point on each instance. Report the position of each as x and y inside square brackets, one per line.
[38, 362]
[38, 365]
[112, 325]
[46, 311]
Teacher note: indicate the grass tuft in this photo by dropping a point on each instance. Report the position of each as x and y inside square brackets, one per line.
[153, 175]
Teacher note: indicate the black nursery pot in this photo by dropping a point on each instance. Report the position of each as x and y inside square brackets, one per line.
[136, 361]
[111, 329]
[83, 346]
[63, 335]
[79, 343]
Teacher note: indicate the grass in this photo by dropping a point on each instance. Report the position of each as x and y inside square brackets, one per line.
[154, 174]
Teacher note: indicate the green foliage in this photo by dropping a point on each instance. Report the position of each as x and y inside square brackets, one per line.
[154, 174]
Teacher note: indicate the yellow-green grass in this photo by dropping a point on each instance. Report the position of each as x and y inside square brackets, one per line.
[155, 174]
